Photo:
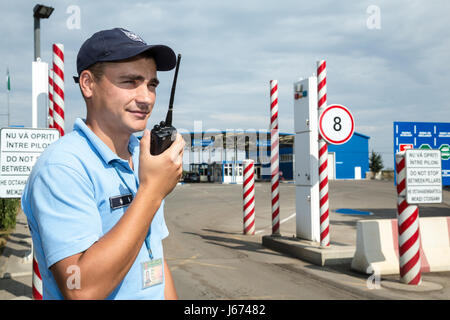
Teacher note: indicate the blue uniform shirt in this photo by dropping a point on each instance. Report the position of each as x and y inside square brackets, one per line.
[67, 204]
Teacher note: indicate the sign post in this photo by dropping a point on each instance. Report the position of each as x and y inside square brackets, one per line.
[324, 206]
[336, 126]
[419, 180]
[19, 150]
[423, 176]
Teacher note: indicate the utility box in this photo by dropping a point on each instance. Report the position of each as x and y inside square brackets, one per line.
[306, 162]
[308, 215]
[305, 105]
[306, 149]
[306, 132]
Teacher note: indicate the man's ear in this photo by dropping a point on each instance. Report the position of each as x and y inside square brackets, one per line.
[86, 83]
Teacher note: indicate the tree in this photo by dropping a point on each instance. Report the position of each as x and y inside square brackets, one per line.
[375, 163]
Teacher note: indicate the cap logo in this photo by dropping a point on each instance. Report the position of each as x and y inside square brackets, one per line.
[133, 36]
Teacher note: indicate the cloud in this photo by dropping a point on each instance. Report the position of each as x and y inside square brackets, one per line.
[232, 49]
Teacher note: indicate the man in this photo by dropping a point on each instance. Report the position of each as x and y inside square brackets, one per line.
[94, 200]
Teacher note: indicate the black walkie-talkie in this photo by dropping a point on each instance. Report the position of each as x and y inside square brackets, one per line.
[164, 134]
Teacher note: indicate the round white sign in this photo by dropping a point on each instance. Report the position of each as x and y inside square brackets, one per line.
[336, 124]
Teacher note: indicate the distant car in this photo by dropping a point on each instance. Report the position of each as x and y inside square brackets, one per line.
[192, 177]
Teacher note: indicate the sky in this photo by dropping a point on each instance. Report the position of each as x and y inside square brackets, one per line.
[386, 60]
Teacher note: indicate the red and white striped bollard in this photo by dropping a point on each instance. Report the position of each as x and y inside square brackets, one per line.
[274, 161]
[323, 158]
[36, 281]
[58, 87]
[408, 228]
[249, 197]
[50, 98]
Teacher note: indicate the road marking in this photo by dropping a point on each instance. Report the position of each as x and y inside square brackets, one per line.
[183, 262]
[192, 260]
[213, 265]
[356, 284]
[282, 221]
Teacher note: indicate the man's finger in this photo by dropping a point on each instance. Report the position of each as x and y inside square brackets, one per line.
[176, 149]
[145, 142]
[178, 144]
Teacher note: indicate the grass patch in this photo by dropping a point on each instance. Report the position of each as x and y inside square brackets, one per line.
[4, 236]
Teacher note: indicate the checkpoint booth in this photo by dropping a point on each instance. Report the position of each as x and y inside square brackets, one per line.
[218, 156]
[227, 172]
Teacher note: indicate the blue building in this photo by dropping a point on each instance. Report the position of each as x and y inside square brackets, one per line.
[345, 161]
[350, 160]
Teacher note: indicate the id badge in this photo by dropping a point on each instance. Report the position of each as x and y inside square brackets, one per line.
[152, 273]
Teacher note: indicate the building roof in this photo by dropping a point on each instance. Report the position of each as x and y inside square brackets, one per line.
[285, 138]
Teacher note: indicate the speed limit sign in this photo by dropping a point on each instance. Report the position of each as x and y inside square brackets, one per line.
[336, 124]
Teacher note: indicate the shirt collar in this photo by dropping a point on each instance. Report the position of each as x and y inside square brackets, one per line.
[103, 150]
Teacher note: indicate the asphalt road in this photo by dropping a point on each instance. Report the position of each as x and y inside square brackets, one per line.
[210, 258]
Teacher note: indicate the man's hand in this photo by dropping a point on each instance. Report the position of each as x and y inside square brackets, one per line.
[160, 174]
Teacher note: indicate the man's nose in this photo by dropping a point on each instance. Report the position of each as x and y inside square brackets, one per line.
[144, 96]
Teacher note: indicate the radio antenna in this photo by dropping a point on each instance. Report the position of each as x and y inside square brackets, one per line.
[172, 93]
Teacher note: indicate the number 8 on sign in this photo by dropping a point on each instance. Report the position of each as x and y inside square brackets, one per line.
[336, 124]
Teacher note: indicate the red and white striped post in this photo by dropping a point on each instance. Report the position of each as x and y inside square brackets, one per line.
[58, 87]
[408, 229]
[50, 98]
[36, 281]
[274, 161]
[323, 158]
[249, 197]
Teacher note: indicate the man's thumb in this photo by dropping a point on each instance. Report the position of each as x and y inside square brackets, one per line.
[145, 141]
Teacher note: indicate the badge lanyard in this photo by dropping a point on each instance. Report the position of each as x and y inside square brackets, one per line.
[147, 238]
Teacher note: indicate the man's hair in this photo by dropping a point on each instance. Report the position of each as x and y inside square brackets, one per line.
[97, 69]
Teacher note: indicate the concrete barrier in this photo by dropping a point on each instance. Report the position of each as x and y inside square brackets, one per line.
[377, 246]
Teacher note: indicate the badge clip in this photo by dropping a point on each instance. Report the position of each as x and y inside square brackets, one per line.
[120, 201]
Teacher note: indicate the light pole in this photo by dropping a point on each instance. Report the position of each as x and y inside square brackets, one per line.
[39, 12]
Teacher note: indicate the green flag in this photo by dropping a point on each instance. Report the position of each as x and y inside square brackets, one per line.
[8, 80]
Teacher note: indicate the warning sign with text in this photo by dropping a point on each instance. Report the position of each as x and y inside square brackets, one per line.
[19, 150]
[423, 176]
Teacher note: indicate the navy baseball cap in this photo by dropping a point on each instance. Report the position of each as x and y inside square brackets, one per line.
[120, 44]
